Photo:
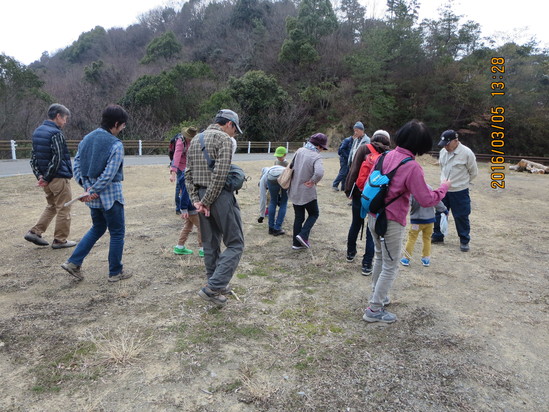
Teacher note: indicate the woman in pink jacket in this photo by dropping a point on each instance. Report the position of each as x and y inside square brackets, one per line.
[412, 139]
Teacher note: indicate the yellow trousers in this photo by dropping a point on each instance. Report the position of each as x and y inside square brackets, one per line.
[427, 230]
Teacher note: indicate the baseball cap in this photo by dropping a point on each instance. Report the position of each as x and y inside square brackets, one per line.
[280, 151]
[446, 137]
[230, 115]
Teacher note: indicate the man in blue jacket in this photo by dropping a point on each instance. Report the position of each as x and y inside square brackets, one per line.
[98, 168]
[343, 152]
[51, 164]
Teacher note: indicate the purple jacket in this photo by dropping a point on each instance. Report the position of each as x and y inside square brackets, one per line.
[409, 178]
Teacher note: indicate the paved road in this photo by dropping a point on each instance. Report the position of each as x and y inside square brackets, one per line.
[22, 167]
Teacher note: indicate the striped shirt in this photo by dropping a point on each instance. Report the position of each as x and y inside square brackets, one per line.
[198, 174]
[108, 191]
[57, 145]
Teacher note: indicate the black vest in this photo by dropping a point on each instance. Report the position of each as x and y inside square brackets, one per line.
[41, 147]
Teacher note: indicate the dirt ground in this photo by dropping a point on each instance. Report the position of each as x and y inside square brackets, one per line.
[472, 333]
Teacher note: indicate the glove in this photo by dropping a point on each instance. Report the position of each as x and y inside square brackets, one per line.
[260, 219]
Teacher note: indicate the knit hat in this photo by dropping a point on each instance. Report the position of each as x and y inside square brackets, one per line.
[229, 115]
[319, 139]
[358, 125]
[446, 137]
[280, 151]
[381, 136]
[190, 132]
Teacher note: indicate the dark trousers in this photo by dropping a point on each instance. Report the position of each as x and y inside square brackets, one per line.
[460, 205]
[178, 188]
[342, 175]
[303, 227]
[356, 224]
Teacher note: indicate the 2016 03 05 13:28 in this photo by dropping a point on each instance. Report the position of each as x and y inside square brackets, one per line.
[497, 119]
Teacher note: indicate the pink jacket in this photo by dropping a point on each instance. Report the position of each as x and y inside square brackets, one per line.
[180, 155]
[409, 178]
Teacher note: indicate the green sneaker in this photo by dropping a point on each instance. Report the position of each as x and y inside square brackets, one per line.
[201, 252]
[182, 251]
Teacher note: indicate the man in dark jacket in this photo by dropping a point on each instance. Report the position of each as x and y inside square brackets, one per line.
[343, 152]
[51, 164]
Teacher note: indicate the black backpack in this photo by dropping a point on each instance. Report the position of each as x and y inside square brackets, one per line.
[171, 147]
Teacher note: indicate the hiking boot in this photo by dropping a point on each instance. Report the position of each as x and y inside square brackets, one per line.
[406, 261]
[61, 245]
[216, 296]
[182, 251]
[201, 252]
[464, 247]
[120, 276]
[351, 257]
[271, 231]
[437, 240]
[380, 315]
[425, 261]
[36, 239]
[366, 270]
[73, 270]
[304, 242]
[278, 232]
[227, 290]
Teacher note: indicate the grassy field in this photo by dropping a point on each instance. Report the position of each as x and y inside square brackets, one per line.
[472, 333]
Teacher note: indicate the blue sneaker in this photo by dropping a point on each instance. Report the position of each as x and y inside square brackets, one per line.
[426, 261]
[405, 261]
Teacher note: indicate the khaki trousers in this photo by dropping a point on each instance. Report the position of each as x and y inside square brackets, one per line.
[58, 191]
[188, 224]
[427, 230]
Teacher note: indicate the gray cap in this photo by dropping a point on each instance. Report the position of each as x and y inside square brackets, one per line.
[229, 115]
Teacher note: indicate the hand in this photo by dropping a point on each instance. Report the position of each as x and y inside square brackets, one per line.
[260, 219]
[448, 182]
[310, 183]
[172, 176]
[184, 215]
[202, 209]
[446, 212]
[88, 197]
[41, 182]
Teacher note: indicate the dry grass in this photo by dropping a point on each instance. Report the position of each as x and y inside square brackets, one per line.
[295, 340]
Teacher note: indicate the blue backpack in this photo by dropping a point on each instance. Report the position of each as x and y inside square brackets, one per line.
[376, 188]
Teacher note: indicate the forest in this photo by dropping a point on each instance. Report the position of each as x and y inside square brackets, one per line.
[290, 68]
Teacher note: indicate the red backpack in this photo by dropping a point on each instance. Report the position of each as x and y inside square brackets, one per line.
[366, 167]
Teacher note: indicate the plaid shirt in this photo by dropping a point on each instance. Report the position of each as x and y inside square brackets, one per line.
[108, 191]
[198, 174]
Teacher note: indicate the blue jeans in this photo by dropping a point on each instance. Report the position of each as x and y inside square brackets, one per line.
[112, 219]
[184, 199]
[178, 189]
[279, 197]
[303, 227]
[460, 205]
[354, 230]
[342, 175]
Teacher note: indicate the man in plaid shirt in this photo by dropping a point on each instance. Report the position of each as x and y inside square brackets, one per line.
[98, 168]
[218, 209]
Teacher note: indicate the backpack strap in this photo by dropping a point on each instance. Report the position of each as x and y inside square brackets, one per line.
[209, 160]
[391, 174]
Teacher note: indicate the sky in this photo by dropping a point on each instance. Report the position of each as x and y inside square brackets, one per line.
[30, 27]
